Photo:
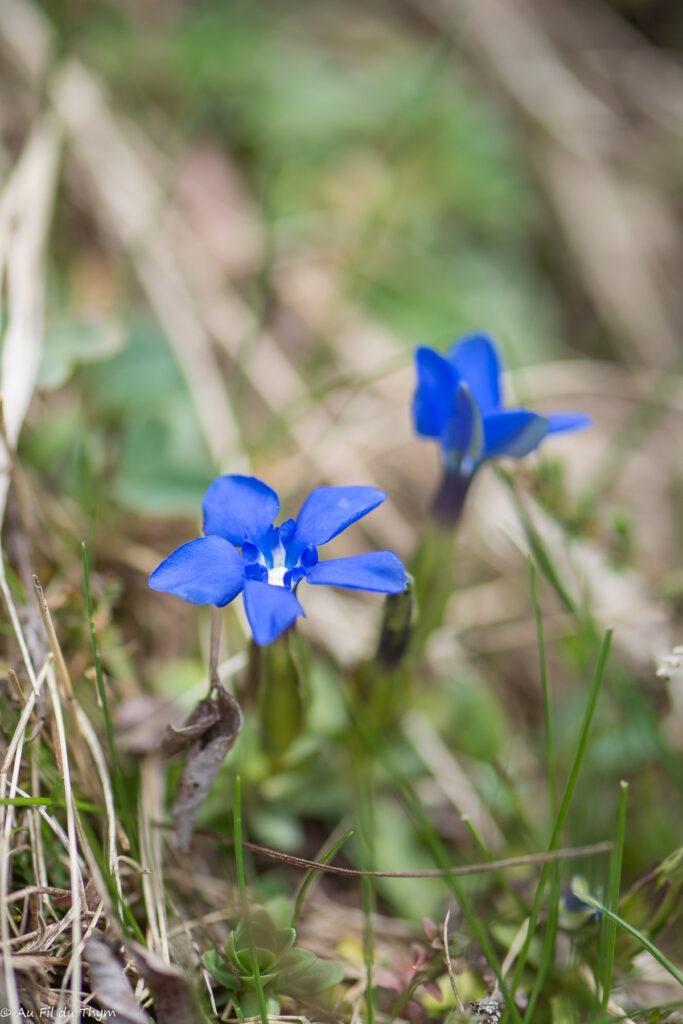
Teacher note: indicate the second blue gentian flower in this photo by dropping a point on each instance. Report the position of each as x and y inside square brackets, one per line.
[242, 552]
[459, 402]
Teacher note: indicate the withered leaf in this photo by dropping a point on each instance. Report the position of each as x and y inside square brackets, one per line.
[173, 1002]
[110, 984]
[177, 737]
[211, 730]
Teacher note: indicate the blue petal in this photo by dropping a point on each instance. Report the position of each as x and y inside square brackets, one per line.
[476, 360]
[464, 434]
[381, 571]
[514, 432]
[270, 610]
[206, 571]
[563, 421]
[434, 397]
[239, 507]
[329, 510]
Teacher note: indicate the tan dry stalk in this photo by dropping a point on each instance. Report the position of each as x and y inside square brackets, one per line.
[25, 213]
[90, 737]
[37, 849]
[151, 809]
[77, 887]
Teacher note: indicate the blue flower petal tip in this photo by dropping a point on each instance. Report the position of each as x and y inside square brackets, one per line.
[458, 402]
[243, 552]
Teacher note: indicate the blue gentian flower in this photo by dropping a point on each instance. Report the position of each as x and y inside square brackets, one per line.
[243, 553]
[459, 402]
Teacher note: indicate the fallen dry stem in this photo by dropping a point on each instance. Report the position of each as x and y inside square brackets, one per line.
[524, 860]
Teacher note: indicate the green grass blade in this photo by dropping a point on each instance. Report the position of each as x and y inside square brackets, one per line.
[362, 767]
[545, 687]
[563, 811]
[609, 932]
[325, 859]
[635, 934]
[47, 801]
[539, 549]
[117, 777]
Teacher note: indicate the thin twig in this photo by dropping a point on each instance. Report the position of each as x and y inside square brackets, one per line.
[569, 853]
[60, 663]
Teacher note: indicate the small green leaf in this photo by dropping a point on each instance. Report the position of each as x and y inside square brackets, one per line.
[221, 970]
[321, 974]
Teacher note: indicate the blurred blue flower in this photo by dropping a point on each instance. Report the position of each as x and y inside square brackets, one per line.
[243, 553]
[458, 402]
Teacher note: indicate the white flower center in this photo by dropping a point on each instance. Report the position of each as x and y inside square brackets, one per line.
[276, 575]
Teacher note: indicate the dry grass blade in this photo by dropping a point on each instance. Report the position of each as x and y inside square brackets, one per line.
[27, 38]
[76, 881]
[25, 209]
[60, 664]
[25, 213]
[90, 737]
[151, 807]
[12, 761]
[449, 965]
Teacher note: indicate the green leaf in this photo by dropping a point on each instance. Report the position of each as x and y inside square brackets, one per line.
[220, 970]
[69, 344]
[302, 973]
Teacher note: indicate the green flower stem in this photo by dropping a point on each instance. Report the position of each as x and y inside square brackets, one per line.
[432, 569]
[280, 693]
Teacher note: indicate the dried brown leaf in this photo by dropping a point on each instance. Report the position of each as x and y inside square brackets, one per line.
[110, 984]
[173, 1002]
[177, 738]
[212, 728]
